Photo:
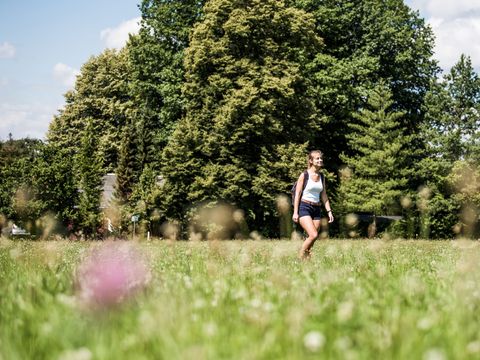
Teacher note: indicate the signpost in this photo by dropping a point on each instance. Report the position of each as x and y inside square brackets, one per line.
[134, 220]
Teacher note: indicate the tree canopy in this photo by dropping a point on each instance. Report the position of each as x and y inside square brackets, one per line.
[219, 101]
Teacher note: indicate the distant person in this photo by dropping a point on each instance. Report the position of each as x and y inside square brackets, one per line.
[307, 205]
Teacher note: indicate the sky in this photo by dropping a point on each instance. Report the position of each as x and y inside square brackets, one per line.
[43, 45]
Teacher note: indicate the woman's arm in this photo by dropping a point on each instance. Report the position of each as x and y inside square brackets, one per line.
[326, 202]
[298, 194]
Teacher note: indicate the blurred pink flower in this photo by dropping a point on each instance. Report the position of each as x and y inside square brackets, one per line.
[110, 274]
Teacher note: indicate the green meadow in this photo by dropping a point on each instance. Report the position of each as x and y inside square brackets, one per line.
[354, 299]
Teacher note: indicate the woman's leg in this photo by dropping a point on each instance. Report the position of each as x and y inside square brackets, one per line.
[312, 233]
[317, 224]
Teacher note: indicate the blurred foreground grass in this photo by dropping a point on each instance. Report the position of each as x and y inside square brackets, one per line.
[249, 300]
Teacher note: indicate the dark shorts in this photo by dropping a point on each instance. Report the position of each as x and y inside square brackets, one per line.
[309, 210]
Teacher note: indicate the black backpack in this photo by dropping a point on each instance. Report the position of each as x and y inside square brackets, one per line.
[294, 187]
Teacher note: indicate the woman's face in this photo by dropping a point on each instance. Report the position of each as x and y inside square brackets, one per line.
[317, 160]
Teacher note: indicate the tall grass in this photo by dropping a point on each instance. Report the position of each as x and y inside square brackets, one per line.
[249, 300]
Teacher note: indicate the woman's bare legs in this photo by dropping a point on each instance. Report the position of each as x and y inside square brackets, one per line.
[311, 227]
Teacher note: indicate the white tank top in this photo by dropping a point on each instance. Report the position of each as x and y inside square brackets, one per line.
[313, 190]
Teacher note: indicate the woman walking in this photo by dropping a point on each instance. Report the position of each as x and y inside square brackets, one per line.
[309, 191]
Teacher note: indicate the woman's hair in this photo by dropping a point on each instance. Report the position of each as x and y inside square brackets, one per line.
[310, 156]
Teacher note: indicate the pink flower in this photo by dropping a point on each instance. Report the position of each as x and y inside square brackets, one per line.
[110, 274]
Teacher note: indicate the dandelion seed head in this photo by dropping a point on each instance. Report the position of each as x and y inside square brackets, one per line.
[314, 341]
[345, 173]
[255, 235]
[473, 347]
[283, 204]
[381, 270]
[66, 300]
[424, 192]
[434, 354]
[425, 323]
[343, 343]
[351, 220]
[345, 311]
[210, 329]
[457, 228]
[239, 216]
[195, 236]
[82, 353]
[170, 231]
[406, 202]
[296, 236]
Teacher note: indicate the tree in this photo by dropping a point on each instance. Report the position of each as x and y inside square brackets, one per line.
[16, 158]
[451, 136]
[377, 175]
[128, 169]
[453, 110]
[366, 42]
[52, 178]
[101, 95]
[156, 56]
[247, 94]
[89, 172]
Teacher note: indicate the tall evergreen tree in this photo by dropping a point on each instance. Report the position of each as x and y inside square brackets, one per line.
[128, 170]
[453, 110]
[248, 94]
[379, 167]
[89, 174]
[452, 142]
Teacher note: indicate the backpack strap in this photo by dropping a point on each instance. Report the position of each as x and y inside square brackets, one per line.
[305, 180]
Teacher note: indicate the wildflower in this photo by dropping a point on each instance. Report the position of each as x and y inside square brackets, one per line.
[345, 311]
[314, 341]
[111, 274]
[434, 354]
[78, 354]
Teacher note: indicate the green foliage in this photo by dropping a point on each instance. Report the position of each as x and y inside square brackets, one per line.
[247, 94]
[143, 200]
[128, 164]
[16, 157]
[156, 57]
[212, 94]
[453, 108]
[101, 95]
[89, 174]
[375, 177]
[452, 142]
[37, 183]
[367, 42]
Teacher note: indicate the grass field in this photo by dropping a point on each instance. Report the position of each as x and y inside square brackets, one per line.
[248, 300]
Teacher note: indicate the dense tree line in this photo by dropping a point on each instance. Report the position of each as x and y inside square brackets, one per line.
[222, 99]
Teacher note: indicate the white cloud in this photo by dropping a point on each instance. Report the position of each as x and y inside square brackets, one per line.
[447, 9]
[454, 37]
[7, 50]
[65, 74]
[456, 25]
[118, 36]
[25, 120]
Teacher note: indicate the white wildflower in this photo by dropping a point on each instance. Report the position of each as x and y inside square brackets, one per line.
[314, 341]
